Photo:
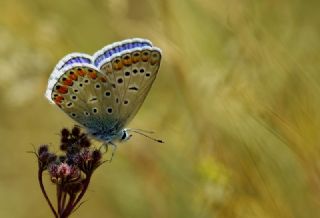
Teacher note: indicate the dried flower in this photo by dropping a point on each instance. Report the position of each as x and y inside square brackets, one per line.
[70, 172]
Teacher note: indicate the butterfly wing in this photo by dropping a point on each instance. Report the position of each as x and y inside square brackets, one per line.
[81, 91]
[104, 92]
[131, 66]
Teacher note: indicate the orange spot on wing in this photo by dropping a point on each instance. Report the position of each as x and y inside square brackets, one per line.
[145, 58]
[62, 89]
[127, 61]
[81, 72]
[103, 79]
[117, 65]
[93, 75]
[68, 82]
[73, 77]
[135, 59]
[58, 99]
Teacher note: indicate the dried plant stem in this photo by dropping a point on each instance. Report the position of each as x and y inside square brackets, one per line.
[70, 172]
[73, 201]
[63, 201]
[68, 208]
[45, 193]
[59, 193]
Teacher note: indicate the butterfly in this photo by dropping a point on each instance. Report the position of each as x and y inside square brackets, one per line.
[104, 92]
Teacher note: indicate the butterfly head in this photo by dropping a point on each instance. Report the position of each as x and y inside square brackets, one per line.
[122, 135]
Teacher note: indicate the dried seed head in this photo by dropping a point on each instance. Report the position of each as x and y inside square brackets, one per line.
[96, 155]
[74, 172]
[53, 170]
[73, 188]
[76, 131]
[84, 142]
[62, 158]
[42, 149]
[65, 133]
[52, 158]
[85, 155]
[64, 170]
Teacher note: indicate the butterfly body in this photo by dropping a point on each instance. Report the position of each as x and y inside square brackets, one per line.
[103, 92]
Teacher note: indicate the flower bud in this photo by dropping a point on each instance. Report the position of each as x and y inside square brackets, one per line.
[96, 155]
[64, 135]
[75, 131]
[84, 142]
[42, 149]
[53, 170]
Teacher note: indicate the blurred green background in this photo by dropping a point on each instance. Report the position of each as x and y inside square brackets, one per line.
[236, 101]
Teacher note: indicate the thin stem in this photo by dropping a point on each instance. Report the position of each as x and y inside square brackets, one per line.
[73, 202]
[45, 193]
[59, 198]
[85, 187]
[63, 201]
[69, 207]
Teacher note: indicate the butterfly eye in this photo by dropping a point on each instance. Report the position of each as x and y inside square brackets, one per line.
[127, 73]
[73, 114]
[135, 71]
[86, 113]
[125, 102]
[141, 70]
[147, 74]
[86, 81]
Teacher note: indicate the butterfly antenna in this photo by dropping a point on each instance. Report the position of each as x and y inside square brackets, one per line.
[145, 135]
[144, 131]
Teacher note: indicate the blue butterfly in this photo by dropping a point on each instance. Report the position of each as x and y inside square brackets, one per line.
[104, 92]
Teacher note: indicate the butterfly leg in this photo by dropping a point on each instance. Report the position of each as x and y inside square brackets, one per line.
[113, 147]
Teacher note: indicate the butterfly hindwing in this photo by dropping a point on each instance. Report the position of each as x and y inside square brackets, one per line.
[79, 93]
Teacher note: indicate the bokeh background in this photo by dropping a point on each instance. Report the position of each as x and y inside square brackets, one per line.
[236, 101]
